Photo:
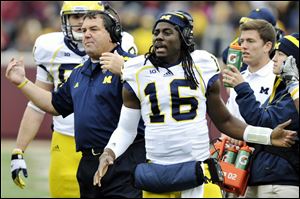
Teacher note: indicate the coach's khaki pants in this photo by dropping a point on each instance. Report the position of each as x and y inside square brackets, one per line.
[272, 191]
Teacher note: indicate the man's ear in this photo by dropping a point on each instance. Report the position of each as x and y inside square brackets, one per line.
[268, 47]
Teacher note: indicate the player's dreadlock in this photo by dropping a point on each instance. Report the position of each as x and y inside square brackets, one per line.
[186, 61]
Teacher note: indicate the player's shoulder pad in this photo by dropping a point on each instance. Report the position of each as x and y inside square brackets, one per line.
[46, 45]
[135, 62]
[205, 59]
[128, 44]
[127, 36]
[132, 66]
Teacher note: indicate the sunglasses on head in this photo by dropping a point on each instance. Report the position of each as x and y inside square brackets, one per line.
[244, 20]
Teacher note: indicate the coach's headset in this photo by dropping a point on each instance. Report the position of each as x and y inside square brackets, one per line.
[183, 22]
[83, 7]
[115, 30]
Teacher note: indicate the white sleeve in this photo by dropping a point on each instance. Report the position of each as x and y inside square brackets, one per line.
[126, 131]
[34, 107]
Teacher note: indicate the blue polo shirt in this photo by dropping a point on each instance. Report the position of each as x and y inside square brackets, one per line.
[95, 98]
[271, 165]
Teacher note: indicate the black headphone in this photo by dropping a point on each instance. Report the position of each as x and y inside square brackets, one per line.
[187, 31]
[116, 29]
[279, 33]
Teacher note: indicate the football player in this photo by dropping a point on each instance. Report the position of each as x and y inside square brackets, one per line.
[172, 87]
[55, 55]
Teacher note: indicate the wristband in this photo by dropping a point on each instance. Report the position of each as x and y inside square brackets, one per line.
[21, 85]
[17, 151]
[259, 135]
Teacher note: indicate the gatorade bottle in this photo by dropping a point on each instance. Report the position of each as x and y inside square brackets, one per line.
[242, 159]
[214, 152]
[234, 58]
[230, 155]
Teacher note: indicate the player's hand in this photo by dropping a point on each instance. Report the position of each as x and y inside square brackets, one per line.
[112, 62]
[232, 76]
[17, 165]
[232, 141]
[281, 137]
[290, 73]
[15, 71]
[106, 158]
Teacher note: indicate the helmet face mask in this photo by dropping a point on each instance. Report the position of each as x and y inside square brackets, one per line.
[69, 30]
[76, 8]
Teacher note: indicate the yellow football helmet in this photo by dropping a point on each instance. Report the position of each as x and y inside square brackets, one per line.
[76, 7]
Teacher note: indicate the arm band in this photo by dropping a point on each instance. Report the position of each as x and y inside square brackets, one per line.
[259, 135]
[34, 107]
[126, 131]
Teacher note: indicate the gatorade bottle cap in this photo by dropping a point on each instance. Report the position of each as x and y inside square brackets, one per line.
[236, 47]
[233, 149]
[246, 148]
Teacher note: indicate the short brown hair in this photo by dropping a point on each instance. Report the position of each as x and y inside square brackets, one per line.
[265, 30]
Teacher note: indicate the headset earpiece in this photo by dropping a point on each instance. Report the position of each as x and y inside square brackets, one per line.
[187, 32]
[116, 29]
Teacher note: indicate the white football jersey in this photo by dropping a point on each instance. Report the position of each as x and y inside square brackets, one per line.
[55, 63]
[174, 112]
[261, 82]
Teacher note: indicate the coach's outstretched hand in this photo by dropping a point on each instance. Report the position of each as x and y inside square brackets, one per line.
[106, 158]
[17, 165]
[281, 137]
[15, 71]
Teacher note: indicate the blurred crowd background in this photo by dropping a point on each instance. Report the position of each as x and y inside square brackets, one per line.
[215, 22]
